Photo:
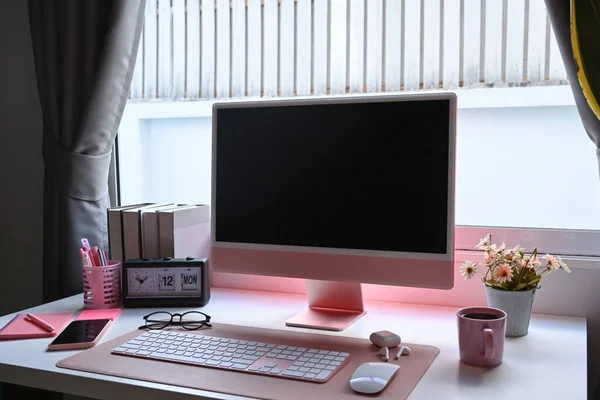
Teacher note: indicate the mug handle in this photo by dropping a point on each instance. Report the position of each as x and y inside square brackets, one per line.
[488, 343]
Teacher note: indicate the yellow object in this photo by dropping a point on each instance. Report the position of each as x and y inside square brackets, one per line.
[581, 73]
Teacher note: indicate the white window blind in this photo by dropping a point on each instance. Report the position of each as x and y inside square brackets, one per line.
[194, 49]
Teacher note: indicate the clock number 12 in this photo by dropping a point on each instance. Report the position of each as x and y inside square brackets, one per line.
[166, 281]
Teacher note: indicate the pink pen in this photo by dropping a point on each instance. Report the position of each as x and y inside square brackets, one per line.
[39, 322]
[85, 259]
[95, 257]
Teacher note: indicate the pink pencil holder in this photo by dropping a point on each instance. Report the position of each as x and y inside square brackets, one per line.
[102, 286]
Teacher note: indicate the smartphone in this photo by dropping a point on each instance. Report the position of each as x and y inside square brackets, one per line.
[81, 334]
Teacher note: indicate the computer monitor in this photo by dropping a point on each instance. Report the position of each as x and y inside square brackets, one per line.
[339, 191]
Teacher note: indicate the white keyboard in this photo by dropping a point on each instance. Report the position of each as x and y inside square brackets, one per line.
[314, 365]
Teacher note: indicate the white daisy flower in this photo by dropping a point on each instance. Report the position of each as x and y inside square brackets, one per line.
[484, 242]
[503, 273]
[529, 262]
[489, 257]
[552, 261]
[564, 266]
[512, 254]
[468, 269]
[523, 262]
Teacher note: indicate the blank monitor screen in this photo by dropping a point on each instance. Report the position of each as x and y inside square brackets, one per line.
[367, 176]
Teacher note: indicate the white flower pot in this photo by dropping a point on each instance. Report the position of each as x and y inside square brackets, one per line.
[516, 305]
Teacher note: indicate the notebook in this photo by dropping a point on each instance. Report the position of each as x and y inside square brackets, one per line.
[132, 230]
[115, 230]
[184, 231]
[19, 328]
[150, 234]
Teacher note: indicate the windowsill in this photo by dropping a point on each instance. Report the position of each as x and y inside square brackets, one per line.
[574, 262]
[560, 293]
[534, 96]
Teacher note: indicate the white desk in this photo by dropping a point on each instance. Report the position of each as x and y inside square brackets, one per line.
[534, 367]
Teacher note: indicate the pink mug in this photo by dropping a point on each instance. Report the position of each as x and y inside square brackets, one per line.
[481, 335]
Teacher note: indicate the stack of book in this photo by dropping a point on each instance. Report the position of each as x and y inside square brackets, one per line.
[158, 230]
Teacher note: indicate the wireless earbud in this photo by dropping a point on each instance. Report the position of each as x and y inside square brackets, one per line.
[384, 351]
[404, 350]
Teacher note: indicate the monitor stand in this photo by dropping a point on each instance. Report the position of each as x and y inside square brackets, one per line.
[332, 306]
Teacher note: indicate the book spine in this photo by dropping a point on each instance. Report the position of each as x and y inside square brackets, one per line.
[115, 235]
[150, 239]
[166, 238]
[131, 235]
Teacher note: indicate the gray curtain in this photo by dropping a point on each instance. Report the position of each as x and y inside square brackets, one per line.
[559, 12]
[85, 53]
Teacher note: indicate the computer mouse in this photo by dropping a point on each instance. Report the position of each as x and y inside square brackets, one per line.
[372, 377]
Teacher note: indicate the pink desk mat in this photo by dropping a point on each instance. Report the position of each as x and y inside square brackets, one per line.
[412, 368]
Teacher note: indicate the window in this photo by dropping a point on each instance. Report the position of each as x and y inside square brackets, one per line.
[194, 49]
[524, 165]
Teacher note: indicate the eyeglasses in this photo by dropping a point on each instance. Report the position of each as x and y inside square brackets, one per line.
[190, 320]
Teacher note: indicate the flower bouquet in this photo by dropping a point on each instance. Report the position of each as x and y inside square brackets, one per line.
[511, 278]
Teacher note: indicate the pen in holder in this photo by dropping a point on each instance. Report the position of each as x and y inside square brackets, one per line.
[102, 286]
